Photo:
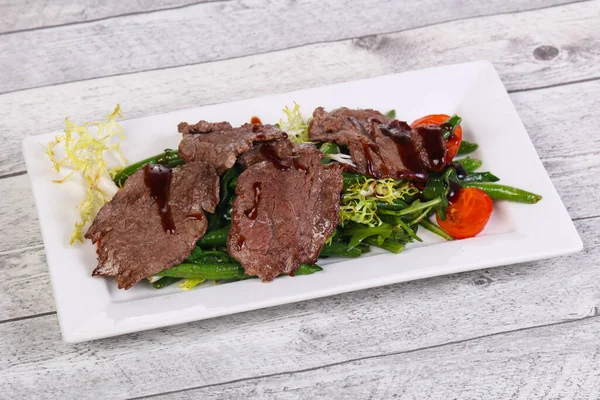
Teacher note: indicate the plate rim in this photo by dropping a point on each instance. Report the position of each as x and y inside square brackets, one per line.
[100, 324]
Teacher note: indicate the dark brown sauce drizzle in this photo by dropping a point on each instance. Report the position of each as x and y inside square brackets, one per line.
[368, 158]
[406, 148]
[453, 192]
[433, 142]
[368, 148]
[252, 213]
[255, 120]
[158, 179]
[461, 172]
[269, 154]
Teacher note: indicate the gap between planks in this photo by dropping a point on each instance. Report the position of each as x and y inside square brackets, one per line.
[317, 42]
[376, 356]
[127, 14]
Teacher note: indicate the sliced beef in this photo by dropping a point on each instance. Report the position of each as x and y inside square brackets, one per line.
[154, 221]
[219, 144]
[284, 212]
[381, 147]
[276, 150]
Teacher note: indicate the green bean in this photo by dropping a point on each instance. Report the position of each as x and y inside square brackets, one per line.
[466, 148]
[480, 177]
[430, 226]
[215, 238]
[339, 249]
[164, 282]
[307, 269]
[169, 157]
[213, 272]
[502, 192]
[387, 244]
[395, 205]
[217, 272]
[470, 164]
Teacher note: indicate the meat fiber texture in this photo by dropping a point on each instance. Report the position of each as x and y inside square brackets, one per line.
[219, 144]
[374, 152]
[132, 243]
[284, 211]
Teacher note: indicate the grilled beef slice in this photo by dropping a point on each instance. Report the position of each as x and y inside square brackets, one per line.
[219, 144]
[134, 231]
[381, 147]
[285, 210]
[274, 150]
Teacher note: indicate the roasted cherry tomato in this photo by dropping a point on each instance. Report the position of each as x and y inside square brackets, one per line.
[468, 213]
[436, 119]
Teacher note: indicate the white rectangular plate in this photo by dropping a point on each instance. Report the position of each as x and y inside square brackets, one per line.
[91, 308]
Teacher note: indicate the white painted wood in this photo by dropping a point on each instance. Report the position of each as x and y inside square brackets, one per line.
[27, 290]
[20, 15]
[311, 334]
[154, 92]
[552, 362]
[222, 30]
[557, 361]
[18, 218]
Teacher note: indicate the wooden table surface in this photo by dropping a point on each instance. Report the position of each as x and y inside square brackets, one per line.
[526, 331]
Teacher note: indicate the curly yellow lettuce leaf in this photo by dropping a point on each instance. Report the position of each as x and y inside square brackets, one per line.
[359, 200]
[84, 154]
[294, 124]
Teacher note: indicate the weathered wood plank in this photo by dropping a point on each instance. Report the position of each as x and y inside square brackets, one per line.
[222, 30]
[368, 323]
[18, 217]
[507, 40]
[32, 14]
[551, 362]
[566, 138]
[27, 289]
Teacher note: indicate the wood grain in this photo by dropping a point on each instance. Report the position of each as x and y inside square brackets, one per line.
[31, 14]
[18, 217]
[527, 331]
[310, 334]
[551, 362]
[148, 93]
[27, 291]
[223, 30]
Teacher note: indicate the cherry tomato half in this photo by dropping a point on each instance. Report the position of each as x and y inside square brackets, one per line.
[436, 119]
[468, 213]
